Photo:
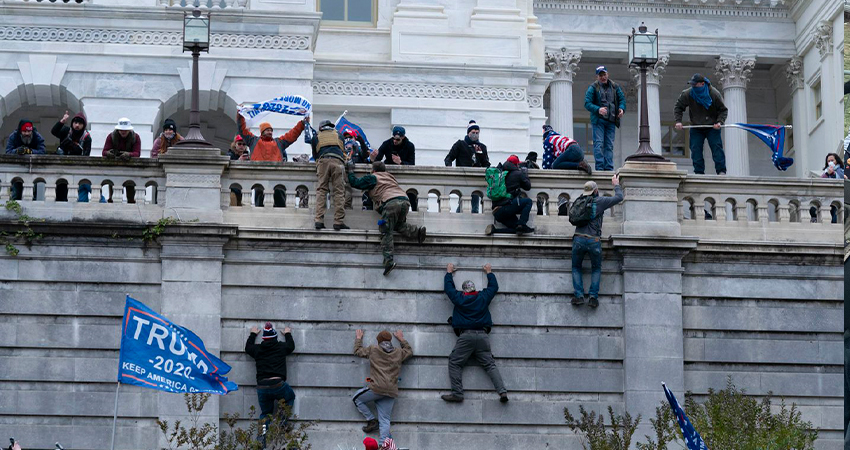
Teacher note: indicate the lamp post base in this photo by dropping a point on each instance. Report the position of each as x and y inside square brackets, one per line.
[647, 157]
[193, 143]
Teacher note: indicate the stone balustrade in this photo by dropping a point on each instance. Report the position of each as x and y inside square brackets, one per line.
[189, 4]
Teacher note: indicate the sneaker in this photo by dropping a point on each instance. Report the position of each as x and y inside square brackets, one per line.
[341, 226]
[722, 173]
[593, 302]
[421, 234]
[451, 398]
[503, 397]
[524, 229]
[371, 425]
[585, 167]
[319, 225]
[577, 301]
[389, 268]
[489, 230]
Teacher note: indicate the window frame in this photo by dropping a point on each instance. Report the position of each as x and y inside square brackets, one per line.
[687, 143]
[587, 147]
[347, 23]
[817, 98]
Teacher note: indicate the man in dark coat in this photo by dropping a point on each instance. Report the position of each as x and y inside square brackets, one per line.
[705, 107]
[506, 211]
[469, 152]
[270, 358]
[25, 140]
[74, 139]
[396, 150]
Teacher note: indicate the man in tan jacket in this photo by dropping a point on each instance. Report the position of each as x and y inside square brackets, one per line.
[385, 361]
[391, 201]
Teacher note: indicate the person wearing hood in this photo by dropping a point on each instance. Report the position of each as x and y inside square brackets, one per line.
[384, 366]
[166, 139]
[270, 358]
[74, 139]
[705, 107]
[328, 150]
[472, 323]
[507, 210]
[469, 152]
[25, 140]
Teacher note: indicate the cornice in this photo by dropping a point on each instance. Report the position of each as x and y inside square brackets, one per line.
[750, 9]
[419, 90]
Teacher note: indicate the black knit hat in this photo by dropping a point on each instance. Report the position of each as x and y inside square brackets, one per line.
[472, 126]
[532, 156]
[169, 125]
[269, 332]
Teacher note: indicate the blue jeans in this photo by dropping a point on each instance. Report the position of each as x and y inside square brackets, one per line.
[507, 215]
[698, 137]
[570, 158]
[476, 200]
[603, 144]
[267, 398]
[83, 193]
[582, 246]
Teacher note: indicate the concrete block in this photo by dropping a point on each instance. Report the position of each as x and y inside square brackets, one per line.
[191, 270]
[763, 316]
[195, 297]
[654, 309]
[652, 342]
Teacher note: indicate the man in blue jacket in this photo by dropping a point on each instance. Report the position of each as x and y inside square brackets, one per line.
[606, 103]
[472, 323]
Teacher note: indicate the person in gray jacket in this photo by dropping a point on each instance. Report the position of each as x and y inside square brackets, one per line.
[586, 240]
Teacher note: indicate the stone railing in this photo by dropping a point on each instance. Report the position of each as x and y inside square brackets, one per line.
[203, 4]
[200, 184]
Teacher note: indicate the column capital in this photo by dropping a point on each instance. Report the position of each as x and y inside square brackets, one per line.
[735, 71]
[654, 73]
[822, 37]
[562, 63]
[794, 73]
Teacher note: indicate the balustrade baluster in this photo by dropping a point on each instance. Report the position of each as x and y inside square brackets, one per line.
[246, 198]
[268, 198]
[445, 204]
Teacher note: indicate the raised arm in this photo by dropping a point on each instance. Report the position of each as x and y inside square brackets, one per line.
[359, 350]
[406, 350]
[292, 135]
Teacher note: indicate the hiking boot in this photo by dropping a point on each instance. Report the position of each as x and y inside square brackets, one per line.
[421, 234]
[451, 398]
[319, 225]
[524, 229]
[503, 397]
[489, 229]
[371, 425]
[341, 226]
[593, 302]
[577, 301]
[389, 268]
[585, 167]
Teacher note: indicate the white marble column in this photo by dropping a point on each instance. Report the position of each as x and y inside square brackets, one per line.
[794, 74]
[563, 65]
[734, 73]
[653, 81]
[831, 92]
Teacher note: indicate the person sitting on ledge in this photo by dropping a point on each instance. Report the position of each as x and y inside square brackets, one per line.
[392, 202]
[506, 211]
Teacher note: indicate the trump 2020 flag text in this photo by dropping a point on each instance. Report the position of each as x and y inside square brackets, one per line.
[692, 438]
[158, 354]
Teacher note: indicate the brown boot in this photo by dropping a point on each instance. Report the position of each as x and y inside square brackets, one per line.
[370, 426]
[585, 167]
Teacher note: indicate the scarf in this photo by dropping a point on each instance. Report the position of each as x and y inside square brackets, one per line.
[702, 95]
[166, 143]
[386, 346]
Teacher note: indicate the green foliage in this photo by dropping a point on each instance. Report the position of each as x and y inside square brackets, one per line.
[282, 433]
[595, 435]
[729, 419]
[152, 233]
[25, 232]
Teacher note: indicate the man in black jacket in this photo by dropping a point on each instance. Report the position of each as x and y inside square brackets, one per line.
[396, 150]
[74, 139]
[469, 152]
[270, 356]
[506, 211]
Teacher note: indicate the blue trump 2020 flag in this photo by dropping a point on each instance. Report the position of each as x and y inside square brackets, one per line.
[774, 137]
[692, 438]
[158, 354]
[343, 125]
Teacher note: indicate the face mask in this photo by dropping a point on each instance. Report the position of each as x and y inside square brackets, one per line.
[831, 165]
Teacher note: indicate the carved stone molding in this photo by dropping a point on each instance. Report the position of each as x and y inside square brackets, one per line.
[794, 73]
[419, 91]
[755, 9]
[652, 194]
[193, 180]
[144, 37]
[562, 64]
[735, 71]
[654, 73]
[822, 37]
[535, 101]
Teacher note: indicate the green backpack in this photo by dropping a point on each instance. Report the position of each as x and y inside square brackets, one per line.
[496, 190]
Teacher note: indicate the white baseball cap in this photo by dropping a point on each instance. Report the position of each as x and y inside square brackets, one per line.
[124, 124]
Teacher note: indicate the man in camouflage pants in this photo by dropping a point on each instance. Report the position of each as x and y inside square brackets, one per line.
[391, 201]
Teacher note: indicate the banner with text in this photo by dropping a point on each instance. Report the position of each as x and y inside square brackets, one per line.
[294, 105]
[158, 354]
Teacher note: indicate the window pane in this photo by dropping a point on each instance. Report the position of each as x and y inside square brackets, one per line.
[333, 9]
[580, 131]
[360, 11]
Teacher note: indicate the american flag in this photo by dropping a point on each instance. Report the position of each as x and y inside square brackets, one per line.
[692, 438]
[553, 145]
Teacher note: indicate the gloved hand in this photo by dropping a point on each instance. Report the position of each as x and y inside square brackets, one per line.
[110, 155]
[124, 156]
[349, 166]
[22, 150]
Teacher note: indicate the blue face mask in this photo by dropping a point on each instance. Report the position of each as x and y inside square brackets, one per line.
[702, 95]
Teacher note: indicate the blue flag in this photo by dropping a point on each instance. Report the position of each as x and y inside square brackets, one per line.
[343, 125]
[692, 438]
[774, 137]
[158, 354]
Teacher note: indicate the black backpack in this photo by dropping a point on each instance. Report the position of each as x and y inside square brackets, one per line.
[582, 211]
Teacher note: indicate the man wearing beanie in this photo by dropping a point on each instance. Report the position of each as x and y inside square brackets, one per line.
[73, 139]
[384, 366]
[25, 140]
[329, 153]
[396, 150]
[471, 322]
[705, 107]
[270, 357]
[166, 139]
[469, 152]
[506, 211]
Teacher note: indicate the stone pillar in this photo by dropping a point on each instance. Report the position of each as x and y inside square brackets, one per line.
[193, 181]
[794, 74]
[536, 113]
[653, 82]
[734, 73]
[563, 65]
[830, 93]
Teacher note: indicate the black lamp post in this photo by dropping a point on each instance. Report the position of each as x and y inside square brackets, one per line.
[196, 38]
[643, 51]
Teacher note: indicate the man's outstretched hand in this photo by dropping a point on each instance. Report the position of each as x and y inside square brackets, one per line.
[255, 329]
[358, 334]
[399, 335]
[487, 268]
[450, 268]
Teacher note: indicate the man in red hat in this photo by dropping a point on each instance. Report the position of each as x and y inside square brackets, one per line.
[270, 357]
[25, 140]
[238, 151]
[506, 211]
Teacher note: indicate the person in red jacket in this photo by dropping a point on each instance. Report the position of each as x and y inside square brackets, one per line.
[123, 144]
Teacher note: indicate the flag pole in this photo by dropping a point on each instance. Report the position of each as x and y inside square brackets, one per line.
[721, 126]
[341, 116]
[115, 415]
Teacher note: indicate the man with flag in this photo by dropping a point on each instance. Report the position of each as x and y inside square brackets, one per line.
[705, 107]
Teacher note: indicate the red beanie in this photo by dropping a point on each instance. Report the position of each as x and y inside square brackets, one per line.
[370, 443]
[513, 159]
[26, 126]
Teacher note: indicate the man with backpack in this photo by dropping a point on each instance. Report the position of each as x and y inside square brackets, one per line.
[586, 214]
[505, 184]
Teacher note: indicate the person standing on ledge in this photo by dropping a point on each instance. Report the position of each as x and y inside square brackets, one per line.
[606, 103]
[330, 169]
[705, 107]
[472, 323]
